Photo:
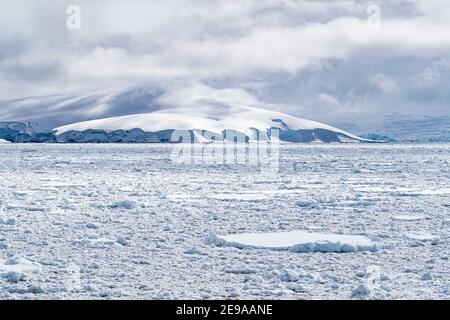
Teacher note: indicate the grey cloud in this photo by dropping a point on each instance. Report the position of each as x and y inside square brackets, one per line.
[313, 58]
[38, 72]
[11, 48]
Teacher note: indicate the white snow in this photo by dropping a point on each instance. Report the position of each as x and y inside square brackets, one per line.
[4, 141]
[297, 241]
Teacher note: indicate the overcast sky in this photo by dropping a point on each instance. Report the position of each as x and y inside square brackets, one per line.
[308, 57]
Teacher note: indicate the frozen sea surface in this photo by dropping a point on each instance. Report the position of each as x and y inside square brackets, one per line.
[124, 221]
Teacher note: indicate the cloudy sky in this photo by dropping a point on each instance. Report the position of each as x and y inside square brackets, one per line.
[311, 58]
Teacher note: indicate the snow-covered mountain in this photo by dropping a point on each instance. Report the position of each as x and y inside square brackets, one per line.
[157, 126]
[150, 115]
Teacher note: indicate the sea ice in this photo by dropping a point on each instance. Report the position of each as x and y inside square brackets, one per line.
[165, 250]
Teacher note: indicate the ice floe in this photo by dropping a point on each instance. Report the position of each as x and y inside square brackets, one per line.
[123, 204]
[297, 241]
[8, 221]
[119, 204]
[404, 191]
[26, 207]
[15, 269]
[234, 196]
[408, 217]
[238, 196]
[421, 236]
[63, 185]
[95, 242]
